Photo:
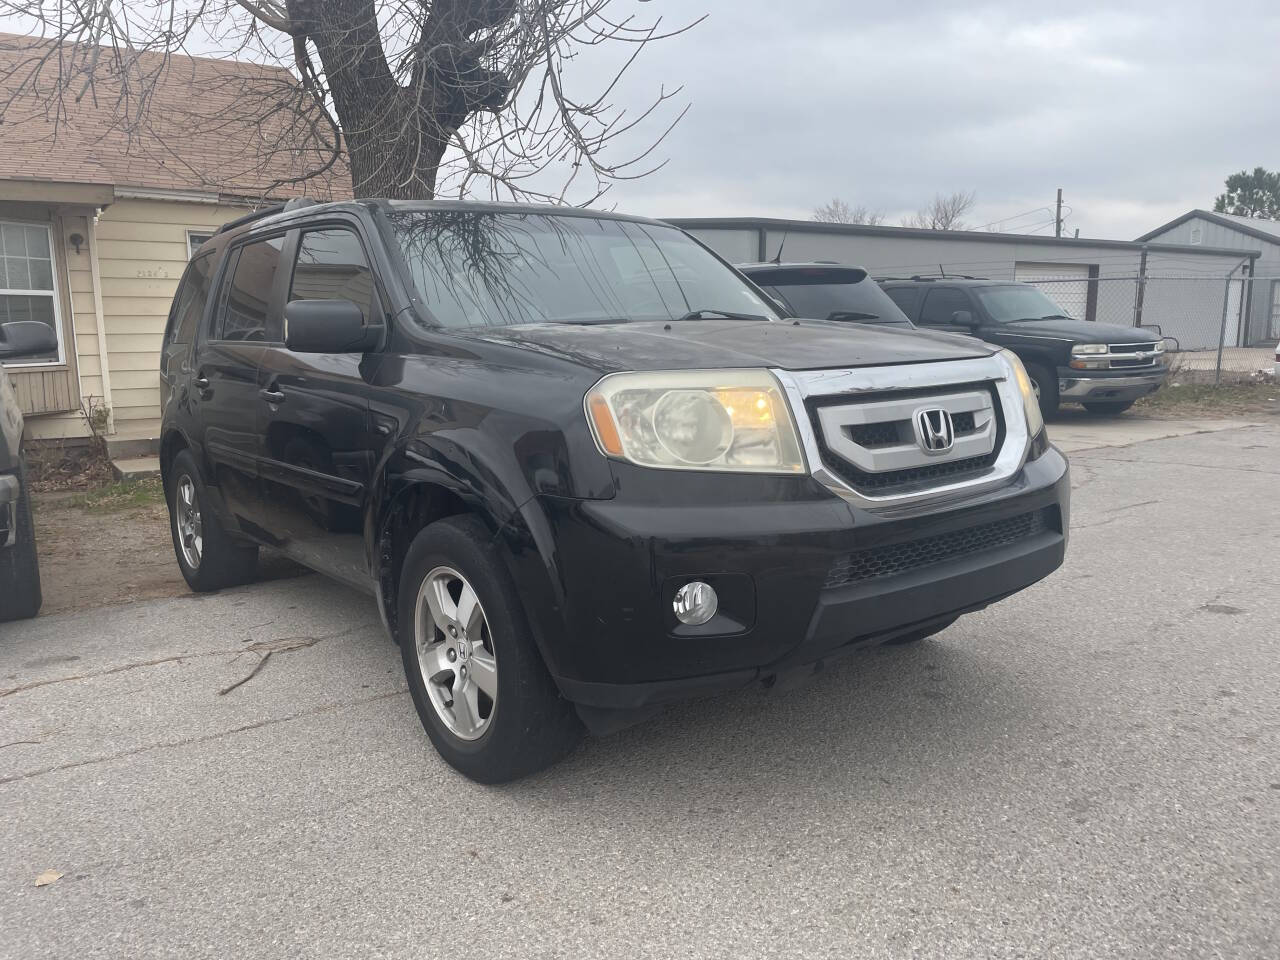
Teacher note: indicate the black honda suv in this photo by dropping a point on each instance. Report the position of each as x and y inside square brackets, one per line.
[585, 466]
[1105, 367]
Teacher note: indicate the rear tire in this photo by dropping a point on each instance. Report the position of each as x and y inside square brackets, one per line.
[207, 555]
[20, 596]
[1108, 407]
[459, 606]
[1045, 384]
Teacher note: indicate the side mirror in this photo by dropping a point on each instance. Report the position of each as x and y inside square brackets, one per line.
[327, 326]
[963, 318]
[26, 338]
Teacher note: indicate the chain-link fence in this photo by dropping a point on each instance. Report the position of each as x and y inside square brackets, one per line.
[1213, 328]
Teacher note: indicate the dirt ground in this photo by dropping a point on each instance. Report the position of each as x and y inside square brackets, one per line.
[112, 545]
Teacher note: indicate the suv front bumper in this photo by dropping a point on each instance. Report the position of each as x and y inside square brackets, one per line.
[1101, 385]
[802, 576]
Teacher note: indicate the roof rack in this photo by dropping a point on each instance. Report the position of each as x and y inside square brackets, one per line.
[931, 277]
[292, 204]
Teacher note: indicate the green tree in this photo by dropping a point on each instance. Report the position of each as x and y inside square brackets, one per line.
[1254, 194]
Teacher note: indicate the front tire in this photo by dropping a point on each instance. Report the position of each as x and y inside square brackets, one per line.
[20, 596]
[207, 555]
[1045, 384]
[482, 692]
[1108, 407]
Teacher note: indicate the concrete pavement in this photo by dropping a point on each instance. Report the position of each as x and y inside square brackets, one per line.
[1086, 770]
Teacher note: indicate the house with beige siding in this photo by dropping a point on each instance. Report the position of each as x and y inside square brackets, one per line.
[97, 224]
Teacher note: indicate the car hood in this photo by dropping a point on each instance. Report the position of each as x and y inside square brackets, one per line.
[1082, 331]
[718, 344]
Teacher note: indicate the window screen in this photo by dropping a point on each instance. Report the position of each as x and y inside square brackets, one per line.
[247, 297]
[331, 265]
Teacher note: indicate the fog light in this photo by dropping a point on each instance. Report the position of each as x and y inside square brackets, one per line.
[695, 603]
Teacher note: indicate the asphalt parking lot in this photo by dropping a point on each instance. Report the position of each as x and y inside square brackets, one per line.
[1089, 769]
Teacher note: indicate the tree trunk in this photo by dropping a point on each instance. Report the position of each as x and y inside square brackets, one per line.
[395, 137]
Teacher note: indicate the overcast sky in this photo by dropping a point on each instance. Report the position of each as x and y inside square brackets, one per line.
[1138, 114]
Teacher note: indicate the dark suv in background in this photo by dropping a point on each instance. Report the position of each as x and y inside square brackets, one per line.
[585, 467]
[826, 291]
[1103, 366]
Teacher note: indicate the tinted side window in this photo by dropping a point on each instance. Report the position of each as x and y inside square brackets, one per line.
[939, 305]
[331, 265]
[907, 298]
[189, 303]
[247, 295]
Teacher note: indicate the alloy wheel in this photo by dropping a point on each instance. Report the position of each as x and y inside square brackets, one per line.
[455, 653]
[190, 526]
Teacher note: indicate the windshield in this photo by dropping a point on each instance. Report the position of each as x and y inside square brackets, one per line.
[862, 301]
[1020, 302]
[478, 269]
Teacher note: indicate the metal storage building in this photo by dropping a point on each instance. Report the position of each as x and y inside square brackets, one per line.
[1201, 228]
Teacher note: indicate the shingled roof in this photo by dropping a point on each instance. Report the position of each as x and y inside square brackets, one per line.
[209, 127]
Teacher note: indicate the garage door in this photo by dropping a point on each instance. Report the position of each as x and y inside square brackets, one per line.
[1067, 284]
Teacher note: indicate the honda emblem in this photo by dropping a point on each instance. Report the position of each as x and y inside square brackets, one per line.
[934, 431]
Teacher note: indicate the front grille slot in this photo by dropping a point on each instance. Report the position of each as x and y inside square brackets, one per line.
[895, 558]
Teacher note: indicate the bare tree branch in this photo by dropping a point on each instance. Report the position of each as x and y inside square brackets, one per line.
[838, 211]
[468, 97]
[944, 212]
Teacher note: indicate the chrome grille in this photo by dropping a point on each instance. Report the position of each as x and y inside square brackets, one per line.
[872, 442]
[863, 441]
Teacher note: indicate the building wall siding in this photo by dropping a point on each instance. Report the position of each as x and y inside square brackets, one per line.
[142, 252]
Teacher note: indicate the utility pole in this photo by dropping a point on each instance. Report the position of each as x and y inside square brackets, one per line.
[1057, 218]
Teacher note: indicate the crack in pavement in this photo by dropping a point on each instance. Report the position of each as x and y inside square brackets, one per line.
[1180, 463]
[281, 645]
[206, 738]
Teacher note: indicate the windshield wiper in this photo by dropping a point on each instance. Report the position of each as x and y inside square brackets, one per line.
[851, 315]
[1056, 316]
[592, 321]
[720, 314]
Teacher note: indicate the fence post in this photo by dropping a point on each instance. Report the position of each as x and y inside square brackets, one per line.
[1222, 330]
[1142, 288]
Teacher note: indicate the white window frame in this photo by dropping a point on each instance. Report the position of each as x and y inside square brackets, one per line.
[56, 293]
[193, 247]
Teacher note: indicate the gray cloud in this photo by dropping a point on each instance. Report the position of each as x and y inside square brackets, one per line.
[1138, 113]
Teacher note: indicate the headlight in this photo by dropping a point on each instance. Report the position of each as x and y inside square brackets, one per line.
[735, 420]
[1030, 402]
[1084, 349]
[1159, 347]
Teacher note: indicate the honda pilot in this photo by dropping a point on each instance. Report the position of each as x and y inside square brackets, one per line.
[585, 467]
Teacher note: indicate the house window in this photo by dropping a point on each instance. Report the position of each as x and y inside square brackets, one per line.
[27, 290]
[194, 239]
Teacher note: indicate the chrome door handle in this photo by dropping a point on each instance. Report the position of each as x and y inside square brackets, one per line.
[201, 384]
[271, 396]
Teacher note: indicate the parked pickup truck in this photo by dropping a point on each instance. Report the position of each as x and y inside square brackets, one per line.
[584, 466]
[1105, 367]
[19, 568]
